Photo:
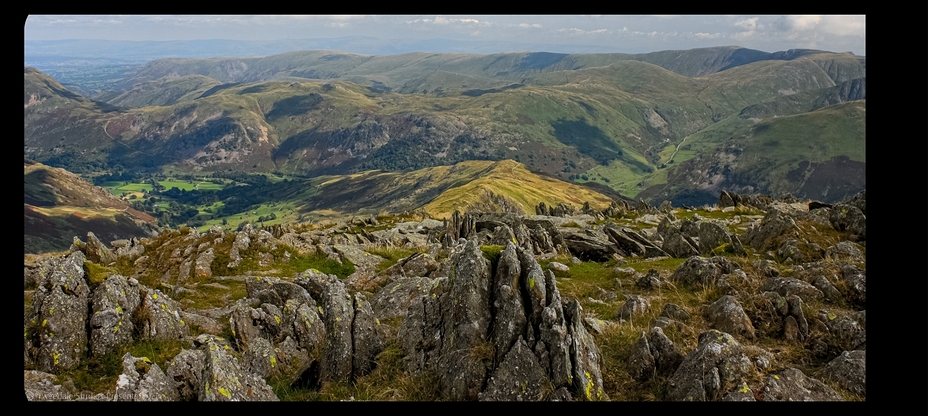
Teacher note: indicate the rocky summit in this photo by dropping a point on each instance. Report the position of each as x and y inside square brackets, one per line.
[751, 299]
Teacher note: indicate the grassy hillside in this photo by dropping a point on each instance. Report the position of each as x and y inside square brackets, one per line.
[57, 205]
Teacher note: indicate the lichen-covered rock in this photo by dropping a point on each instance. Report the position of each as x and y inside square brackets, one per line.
[741, 394]
[652, 280]
[224, 380]
[641, 363]
[856, 281]
[634, 305]
[793, 386]
[585, 355]
[143, 381]
[774, 228]
[849, 371]
[201, 268]
[158, 316]
[727, 315]
[185, 369]
[716, 366]
[58, 318]
[846, 217]
[678, 245]
[712, 236]
[96, 251]
[241, 243]
[393, 300]
[786, 286]
[509, 311]
[259, 358]
[831, 292]
[699, 271]
[674, 311]
[43, 387]
[519, 377]
[368, 341]
[847, 334]
[466, 315]
[307, 327]
[276, 291]
[845, 250]
[666, 355]
[337, 304]
[113, 303]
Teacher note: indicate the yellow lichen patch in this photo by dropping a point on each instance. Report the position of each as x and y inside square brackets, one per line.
[277, 318]
[589, 386]
[273, 361]
[118, 309]
[531, 282]
[154, 296]
[776, 377]
[744, 388]
[44, 322]
[55, 356]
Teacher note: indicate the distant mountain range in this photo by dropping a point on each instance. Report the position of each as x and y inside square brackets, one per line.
[678, 125]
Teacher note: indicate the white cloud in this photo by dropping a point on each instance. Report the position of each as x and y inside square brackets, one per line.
[527, 25]
[804, 22]
[704, 35]
[747, 24]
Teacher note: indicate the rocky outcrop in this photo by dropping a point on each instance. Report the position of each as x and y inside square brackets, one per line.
[223, 378]
[717, 366]
[468, 330]
[114, 303]
[849, 371]
[143, 381]
[58, 320]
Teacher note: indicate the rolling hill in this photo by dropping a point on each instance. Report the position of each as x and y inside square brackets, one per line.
[58, 205]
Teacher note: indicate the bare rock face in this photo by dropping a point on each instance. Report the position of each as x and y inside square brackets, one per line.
[59, 336]
[791, 385]
[201, 267]
[113, 304]
[276, 291]
[223, 378]
[727, 315]
[666, 355]
[95, 250]
[143, 381]
[715, 367]
[849, 370]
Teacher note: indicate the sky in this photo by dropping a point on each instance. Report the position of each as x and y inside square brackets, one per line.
[617, 33]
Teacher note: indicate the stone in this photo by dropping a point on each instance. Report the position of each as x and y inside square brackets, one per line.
[223, 378]
[666, 355]
[848, 370]
[158, 316]
[59, 317]
[717, 353]
[775, 227]
[113, 303]
[367, 340]
[727, 315]
[559, 267]
[793, 386]
[43, 387]
[786, 286]
[641, 363]
[586, 356]
[712, 236]
[634, 305]
[185, 370]
[143, 381]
